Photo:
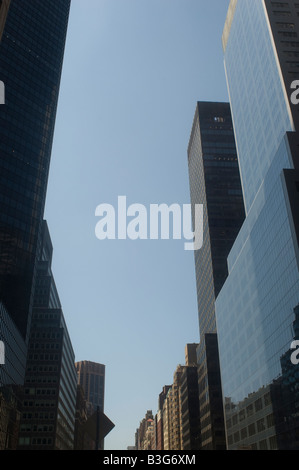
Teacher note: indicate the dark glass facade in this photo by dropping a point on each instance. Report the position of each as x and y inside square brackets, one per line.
[50, 391]
[32, 46]
[214, 182]
[49, 400]
[11, 380]
[31, 56]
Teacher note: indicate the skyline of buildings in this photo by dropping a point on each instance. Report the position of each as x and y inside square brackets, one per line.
[238, 387]
[32, 47]
[38, 380]
[214, 182]
[176, 424]
[255, 308]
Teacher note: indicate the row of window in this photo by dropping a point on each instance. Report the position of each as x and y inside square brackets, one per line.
[26, 441]
[42, 369]
[36, 335]
[36, 428]
[38, 416]
[44, 346]
[40, 391]
[39, 404]
[46, 379]
[43, 357]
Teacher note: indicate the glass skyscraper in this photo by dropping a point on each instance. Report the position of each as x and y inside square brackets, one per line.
[214, 182]
[32, 46]
[31, 56]
[255, 309]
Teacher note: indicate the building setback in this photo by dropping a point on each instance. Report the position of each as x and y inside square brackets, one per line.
[255, 308]
[49, 398]
[214, 182]
[32, 46]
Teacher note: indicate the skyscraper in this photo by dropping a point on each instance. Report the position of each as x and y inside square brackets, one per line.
[31, 56]
[32, 46]
[91, 377]
[49, 398]
[190, 409]
[255, 307]
[214, 182]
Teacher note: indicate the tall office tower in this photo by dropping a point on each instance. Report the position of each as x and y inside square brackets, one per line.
[190, 354]
[31, 55]
[254, 309]
[91, 377]
[189, 402]
[49, 398]
[214, 182]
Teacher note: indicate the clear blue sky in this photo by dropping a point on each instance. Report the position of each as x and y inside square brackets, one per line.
[133, 72]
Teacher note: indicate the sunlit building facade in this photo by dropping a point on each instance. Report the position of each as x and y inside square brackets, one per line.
[255, 308]
[215, 183]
